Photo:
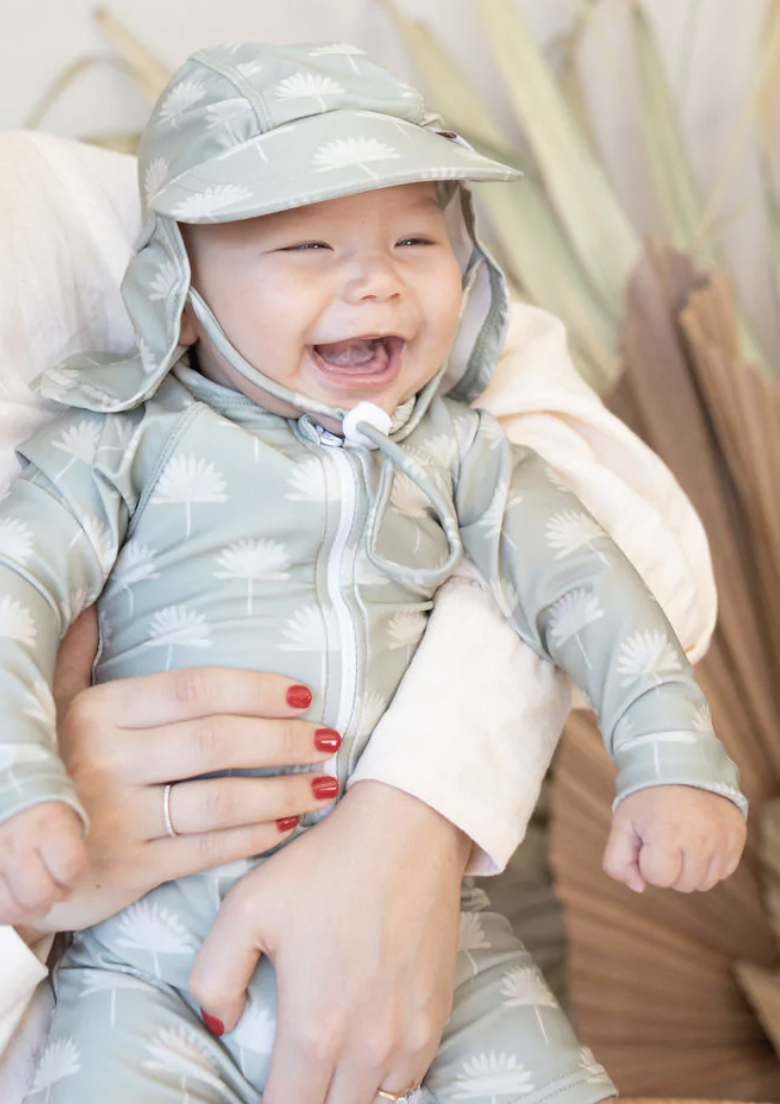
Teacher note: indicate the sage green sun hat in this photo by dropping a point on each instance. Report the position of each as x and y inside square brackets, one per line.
[247, 130]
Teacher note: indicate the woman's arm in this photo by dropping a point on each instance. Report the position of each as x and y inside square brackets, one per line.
[473, 726]
[23, 956]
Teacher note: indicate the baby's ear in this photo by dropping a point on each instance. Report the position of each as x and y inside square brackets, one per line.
[188, 333]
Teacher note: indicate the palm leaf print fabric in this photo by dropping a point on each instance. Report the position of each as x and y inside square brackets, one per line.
[224, 534]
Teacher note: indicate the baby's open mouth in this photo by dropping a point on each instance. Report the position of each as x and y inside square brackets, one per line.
[368, 353]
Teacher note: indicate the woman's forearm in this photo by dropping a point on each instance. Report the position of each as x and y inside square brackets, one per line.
[472, 728]
[23, 967]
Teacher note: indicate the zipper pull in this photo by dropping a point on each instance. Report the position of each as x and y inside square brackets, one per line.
[316, 433]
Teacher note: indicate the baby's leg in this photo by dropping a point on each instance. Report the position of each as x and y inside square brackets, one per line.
[508, 1039]
[116, 1037]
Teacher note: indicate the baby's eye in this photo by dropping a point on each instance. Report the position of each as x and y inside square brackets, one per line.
[311, 246]
[415, 241]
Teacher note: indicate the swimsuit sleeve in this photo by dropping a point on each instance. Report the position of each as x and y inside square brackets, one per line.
[62, 522]
[576, 600]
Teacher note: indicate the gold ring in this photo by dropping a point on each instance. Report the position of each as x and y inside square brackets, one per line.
[405, 1097]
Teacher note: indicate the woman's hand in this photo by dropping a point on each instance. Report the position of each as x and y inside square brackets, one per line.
[123, 741]
[360, 917]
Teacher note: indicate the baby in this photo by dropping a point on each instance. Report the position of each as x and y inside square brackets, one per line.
[280, 479]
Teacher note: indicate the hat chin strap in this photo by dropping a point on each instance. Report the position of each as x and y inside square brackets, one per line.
[367, 425]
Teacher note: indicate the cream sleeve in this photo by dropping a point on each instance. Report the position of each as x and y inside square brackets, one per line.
[473, 726]
[22, 969]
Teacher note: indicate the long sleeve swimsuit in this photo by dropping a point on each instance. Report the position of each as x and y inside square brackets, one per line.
[211, 531]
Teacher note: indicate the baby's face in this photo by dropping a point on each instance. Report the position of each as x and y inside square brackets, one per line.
[351, 299]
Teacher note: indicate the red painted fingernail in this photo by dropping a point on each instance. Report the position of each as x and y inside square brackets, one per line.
[324, 787]
[299, 697]
[284, 824]
[327, 739]
[215, 1026]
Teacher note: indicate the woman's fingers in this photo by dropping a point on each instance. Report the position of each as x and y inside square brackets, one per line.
[298, 1072]
[171, 696]
[223, 742]
[185, 855]
[357, 1084]
[73, 669]
[213, 804]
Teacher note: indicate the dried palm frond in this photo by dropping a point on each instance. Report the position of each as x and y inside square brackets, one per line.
[679, 198]
[651, 977]
[598, 228]
[763, 85]
[149, 72]
[530, 240]
[132, 59]
[573, 224]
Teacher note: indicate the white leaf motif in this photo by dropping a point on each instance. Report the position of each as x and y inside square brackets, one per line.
[491, 1075]
[228, 111]
[308, 482]
[164, 281]
[308, 86]
[471, 935]
[570, 530]
[189, 480]
[80, 441]
[42, 708]
[101, 540]
[203, 205]
[154, 177]
[646, 653]
[16, 622]
[702, 720]
[525, 985]
[60, 1059]
[340, 48]
[180, 99]
[15, 540]
[371, 706]
[570, 614]
[406, 628]
[306, 631]
[179, 625]
[179, 1051]
[252, 560]
[147, 927]
[255, 1030]
[344, 152]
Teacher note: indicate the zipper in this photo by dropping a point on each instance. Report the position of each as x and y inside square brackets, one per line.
[347, 496]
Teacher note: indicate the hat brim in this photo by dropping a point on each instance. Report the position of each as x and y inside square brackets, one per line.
[317, 158]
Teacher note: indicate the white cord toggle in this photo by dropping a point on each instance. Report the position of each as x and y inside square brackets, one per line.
[365, 412]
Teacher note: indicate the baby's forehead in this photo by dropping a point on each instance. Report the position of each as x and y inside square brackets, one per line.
[419, 199]
[402, 199]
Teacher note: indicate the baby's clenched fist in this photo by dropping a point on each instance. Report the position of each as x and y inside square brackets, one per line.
[674, 837]
[42, 856]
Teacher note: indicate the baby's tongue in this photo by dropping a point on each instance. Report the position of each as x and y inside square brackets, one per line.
[346, 354]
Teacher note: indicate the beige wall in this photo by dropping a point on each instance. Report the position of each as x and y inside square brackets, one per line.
[40, 37]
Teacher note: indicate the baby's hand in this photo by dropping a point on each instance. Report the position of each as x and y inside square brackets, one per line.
[42, 855]
[675, 837]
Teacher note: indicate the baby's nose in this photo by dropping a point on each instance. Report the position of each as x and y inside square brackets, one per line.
[373, 279]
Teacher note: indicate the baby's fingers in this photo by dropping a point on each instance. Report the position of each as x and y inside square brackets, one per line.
[32, 888]
[64, 854]
[661, 864]
[621, 856]
[695, 871]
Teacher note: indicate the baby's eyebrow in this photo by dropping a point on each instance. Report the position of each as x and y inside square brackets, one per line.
[427, 201]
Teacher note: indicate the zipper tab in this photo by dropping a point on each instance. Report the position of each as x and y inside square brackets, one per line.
[316, 433]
